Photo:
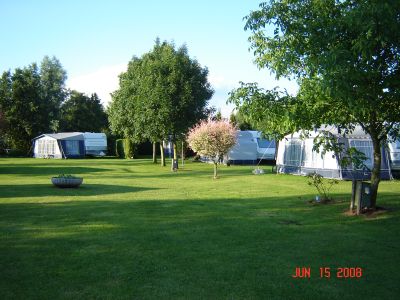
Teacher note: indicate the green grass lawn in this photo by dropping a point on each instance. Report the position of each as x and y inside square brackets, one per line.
[135, 230]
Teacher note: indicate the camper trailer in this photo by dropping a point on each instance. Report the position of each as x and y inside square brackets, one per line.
[394, 156]
[69, 145]
[95, 143]
[296, 156]
[250, 148]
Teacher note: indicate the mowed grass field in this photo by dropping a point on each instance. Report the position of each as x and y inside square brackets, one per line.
[135, 230]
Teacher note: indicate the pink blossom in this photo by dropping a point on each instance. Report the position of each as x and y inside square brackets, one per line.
[213, 139]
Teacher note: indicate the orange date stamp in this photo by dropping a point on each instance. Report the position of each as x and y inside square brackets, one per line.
[327, 272]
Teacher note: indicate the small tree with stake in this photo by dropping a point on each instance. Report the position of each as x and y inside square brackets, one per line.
[345, 57]
[212, 139]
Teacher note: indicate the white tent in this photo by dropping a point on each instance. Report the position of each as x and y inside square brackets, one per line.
[69, 145]
[296, 156]
[59, 145]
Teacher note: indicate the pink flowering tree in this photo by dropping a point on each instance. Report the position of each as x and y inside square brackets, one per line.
[213, 139]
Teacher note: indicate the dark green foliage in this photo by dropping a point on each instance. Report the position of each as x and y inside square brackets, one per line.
[30, 100]
[119, 148]
[239, 121]
[111, 144]
[125, 148]
[162, 93]
[83, 113]
[129, 148]
[22, 106]
[344, 55]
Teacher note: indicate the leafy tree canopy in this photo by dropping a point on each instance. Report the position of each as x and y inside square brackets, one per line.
[83, 113]
[345, 56]
[162, 93]
[30, 100]
[212, 138]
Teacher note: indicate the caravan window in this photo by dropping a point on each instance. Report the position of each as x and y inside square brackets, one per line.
[262, 143]
[50, 147]
[72, 147]
[364, 146]
[292, 155]
[398, 144]
[46, 147]
[40, 147]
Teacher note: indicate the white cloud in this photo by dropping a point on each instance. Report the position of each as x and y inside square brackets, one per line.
[219, 81]
[102, 81]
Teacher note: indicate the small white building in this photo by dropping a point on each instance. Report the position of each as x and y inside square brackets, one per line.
[69, 145]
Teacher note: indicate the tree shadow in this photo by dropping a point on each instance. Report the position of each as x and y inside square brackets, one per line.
[46, 170]
[44, 190]
[224, 172]
[164, 248]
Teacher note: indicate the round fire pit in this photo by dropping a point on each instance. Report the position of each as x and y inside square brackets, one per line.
[67, 182]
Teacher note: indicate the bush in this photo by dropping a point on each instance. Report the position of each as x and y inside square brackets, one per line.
[119, 148]
[322, 185]
[125, 148]
[16, 153]
[129, 149]
[3, 147]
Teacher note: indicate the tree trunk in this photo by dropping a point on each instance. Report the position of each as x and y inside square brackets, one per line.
[215, 170]
[353, 194]
[175, 154]
[276, 156]
[183, 154]
[174, 162]
[154, 153]
[376, 170]
[162, 154]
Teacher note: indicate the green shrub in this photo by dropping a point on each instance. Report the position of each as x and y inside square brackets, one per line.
[66, 176]
[322, 185]
[125, 148]
[119, 148]
[16, 153]
[129, 148]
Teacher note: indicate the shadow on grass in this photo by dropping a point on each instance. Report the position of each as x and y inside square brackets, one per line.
[44, 190]
[184, 248]
[46, 170]
[224, 172]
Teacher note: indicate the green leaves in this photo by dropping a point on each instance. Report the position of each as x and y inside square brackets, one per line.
[345, 56]
[162, 93]
[83, 113]
[30, 100]
[273, 112]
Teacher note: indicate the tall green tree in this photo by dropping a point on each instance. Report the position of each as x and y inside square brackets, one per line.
[21, 104]
[83, 113]
[162, 94]
[54, 93]
[345, 56]
[30, 100]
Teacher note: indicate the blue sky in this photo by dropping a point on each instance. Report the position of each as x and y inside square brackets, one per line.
[94, 40]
